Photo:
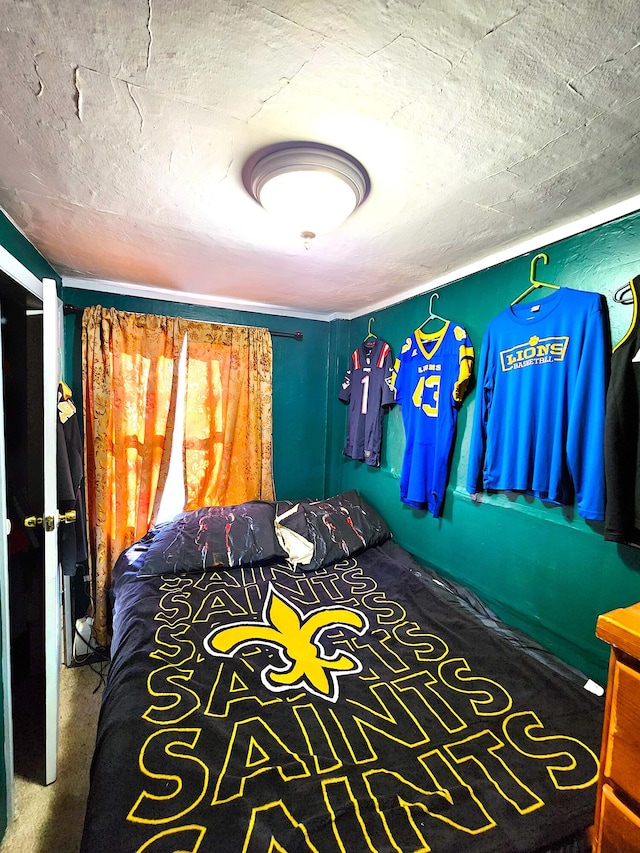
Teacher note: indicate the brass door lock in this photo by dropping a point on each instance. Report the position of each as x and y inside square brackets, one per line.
[48, 522]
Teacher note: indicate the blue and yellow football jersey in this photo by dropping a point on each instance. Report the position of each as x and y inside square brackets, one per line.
[430, 377]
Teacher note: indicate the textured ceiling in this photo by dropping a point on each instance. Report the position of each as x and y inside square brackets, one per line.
[126, 123]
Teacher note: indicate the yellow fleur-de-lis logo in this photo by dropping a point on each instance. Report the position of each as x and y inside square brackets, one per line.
[296, 638]
[65, 410]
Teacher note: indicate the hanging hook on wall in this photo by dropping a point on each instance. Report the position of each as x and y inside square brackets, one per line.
[532, 271]
[432, 313]
[535, 283]
[624, 295]
[370, 334]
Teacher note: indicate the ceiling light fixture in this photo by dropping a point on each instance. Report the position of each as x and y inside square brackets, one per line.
[312, 188]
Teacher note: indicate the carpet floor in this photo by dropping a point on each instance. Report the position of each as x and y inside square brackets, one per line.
[49, 819]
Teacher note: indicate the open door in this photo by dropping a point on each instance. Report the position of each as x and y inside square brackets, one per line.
[52, 592]
[30, 604]
[5, 619]
[47, 519]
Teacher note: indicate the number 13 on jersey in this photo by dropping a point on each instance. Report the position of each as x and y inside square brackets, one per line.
[426, 395]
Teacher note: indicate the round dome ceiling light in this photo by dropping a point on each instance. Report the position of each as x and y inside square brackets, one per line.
[310, 187]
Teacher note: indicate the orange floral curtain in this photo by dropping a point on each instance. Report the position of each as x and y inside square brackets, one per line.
[130, 364]
[228, 418]
[130, 377]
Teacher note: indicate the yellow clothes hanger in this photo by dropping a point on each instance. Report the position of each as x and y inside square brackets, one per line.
[370, 334]
[534, 282]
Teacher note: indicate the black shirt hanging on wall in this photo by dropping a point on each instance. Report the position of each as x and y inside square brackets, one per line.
[72, 545]
[622, 435]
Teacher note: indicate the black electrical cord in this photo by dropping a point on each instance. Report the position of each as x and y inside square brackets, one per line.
[97, 658]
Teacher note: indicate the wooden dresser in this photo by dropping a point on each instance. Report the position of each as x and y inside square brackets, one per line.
[617, 822]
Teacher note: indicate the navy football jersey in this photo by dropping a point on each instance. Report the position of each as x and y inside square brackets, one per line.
[367, 389]
[430, 377]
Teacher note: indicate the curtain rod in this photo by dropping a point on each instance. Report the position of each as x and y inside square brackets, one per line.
[298, 336]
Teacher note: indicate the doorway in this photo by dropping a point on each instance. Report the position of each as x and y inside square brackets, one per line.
[22, 366]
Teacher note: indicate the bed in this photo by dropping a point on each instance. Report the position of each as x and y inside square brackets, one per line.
[286, 678]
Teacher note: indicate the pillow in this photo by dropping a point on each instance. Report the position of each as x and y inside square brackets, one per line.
[319, 533]
[215, 536]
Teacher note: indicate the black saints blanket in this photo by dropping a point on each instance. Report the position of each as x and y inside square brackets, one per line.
[368, 707]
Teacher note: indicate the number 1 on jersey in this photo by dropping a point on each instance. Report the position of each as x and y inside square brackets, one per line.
[365, 394]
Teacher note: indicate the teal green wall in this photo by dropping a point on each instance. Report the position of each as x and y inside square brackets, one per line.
[300, 389]
[544, 570]
[22, 250]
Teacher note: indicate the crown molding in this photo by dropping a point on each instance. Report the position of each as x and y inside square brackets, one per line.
[143, 291]
[540, 241]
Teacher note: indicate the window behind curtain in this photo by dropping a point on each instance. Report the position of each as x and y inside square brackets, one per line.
[130, 386]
